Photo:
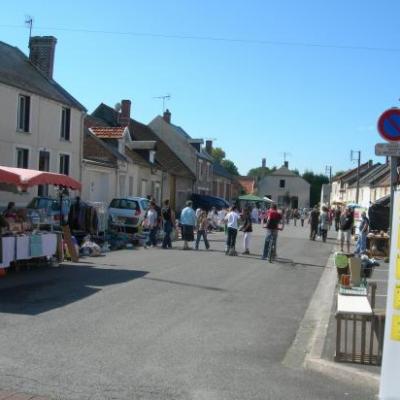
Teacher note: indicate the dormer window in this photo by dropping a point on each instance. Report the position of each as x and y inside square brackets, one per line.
[152, 156]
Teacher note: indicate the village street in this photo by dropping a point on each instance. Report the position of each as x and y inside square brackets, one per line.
[165, 324]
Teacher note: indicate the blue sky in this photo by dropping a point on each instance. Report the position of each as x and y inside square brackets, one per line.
[268, 94]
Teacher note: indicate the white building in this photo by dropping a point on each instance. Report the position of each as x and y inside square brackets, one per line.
[285, 188]
[41, 124]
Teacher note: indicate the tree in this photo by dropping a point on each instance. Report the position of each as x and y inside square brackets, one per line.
[316, 182]
[218, 154]
[259, 172]
[338, 174]
[230, 166]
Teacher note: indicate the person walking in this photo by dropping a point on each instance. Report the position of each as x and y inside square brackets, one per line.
[152, 223]
[167, 219]
[324, 223]
[231, 219]
[303, 216]
[255, 215]
[188, 222]
[346, 226]
[202, 226]
[295, 216]
[274, 218]
[363, 229]
[314, 221]
[247, 229]
[338, 214]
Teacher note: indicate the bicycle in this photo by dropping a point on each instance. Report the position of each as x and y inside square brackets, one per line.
[271, 248]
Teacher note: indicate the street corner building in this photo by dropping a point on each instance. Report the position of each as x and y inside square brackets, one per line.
[41, 124]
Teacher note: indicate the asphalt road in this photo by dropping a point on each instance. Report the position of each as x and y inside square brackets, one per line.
[166, 324]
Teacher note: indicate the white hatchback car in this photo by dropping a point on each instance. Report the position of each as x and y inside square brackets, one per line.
[127, 212]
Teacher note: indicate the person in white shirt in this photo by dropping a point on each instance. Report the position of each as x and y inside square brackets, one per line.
[255, 215]
[232, 222]
[221, 216]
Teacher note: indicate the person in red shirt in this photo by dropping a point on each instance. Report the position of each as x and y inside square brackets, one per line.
[274, 219]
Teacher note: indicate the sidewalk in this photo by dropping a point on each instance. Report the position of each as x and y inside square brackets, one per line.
[320, 355]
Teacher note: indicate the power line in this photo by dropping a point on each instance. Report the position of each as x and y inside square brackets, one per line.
[216, 39]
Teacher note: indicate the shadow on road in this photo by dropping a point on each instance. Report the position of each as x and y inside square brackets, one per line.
[37, 291]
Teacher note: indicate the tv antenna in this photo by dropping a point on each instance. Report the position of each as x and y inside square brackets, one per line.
[163, 98]
[29, 23]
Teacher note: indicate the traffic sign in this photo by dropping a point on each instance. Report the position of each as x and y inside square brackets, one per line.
[389, 125]
[388, 149]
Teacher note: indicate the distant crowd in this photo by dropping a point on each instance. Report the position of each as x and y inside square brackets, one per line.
[195, 225]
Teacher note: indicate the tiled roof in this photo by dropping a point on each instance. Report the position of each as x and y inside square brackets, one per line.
[165, 156]
[105, 132]
[16, 70]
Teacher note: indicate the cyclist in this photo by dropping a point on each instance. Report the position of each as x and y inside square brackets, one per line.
[274, 219]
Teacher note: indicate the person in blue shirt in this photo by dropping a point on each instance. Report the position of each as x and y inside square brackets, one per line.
[363, 229]
[188, 222]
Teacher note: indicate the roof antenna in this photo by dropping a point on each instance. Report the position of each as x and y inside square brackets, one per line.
[164, 98]
[29, 22]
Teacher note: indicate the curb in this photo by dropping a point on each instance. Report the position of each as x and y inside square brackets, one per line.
[308, 346]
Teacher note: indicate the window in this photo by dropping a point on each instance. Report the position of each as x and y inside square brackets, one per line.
[65, 123]
[22, 158]
[282, 183]
[24, 105]
[44, 165]
[64, 164]
[130, 193]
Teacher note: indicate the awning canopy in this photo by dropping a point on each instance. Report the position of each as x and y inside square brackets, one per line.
[252, 197]
[25, 178]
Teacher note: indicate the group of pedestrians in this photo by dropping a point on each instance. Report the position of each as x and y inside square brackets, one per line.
[321, 221]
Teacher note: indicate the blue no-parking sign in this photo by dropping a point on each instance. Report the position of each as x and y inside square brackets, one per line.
[389, 125]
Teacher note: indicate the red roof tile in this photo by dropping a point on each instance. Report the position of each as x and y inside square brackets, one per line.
[104, 132]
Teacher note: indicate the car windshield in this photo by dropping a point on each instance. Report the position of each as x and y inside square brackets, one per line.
[145, 204]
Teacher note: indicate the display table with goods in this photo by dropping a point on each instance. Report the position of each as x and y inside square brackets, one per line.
[20, 243]
[378, 244]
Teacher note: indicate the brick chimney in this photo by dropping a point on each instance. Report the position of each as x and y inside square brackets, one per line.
[286, 163]
[41, 53]
[263, 162]
[209, 146]
[125, 115]
[167, 116]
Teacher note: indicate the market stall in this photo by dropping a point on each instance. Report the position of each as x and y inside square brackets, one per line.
[20, 242]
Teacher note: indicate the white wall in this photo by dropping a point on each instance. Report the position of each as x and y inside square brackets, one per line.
[45, 125]
[296, 186]
[98, 183]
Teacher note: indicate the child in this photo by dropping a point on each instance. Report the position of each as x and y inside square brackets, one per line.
[247, 228]
[202, 225]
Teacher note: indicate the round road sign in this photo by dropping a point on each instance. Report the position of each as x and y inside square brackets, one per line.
[389, 125]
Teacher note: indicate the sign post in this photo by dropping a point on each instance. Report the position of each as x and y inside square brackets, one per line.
[389, 388]
[389, 129]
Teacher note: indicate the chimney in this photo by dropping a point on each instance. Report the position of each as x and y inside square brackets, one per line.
[286, 164]
[41, 53]
[167, 116]
[125, 115]
[263, 162]
[209, 146]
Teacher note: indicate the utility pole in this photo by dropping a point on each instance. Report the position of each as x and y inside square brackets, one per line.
[328, 169]
[358, 159]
